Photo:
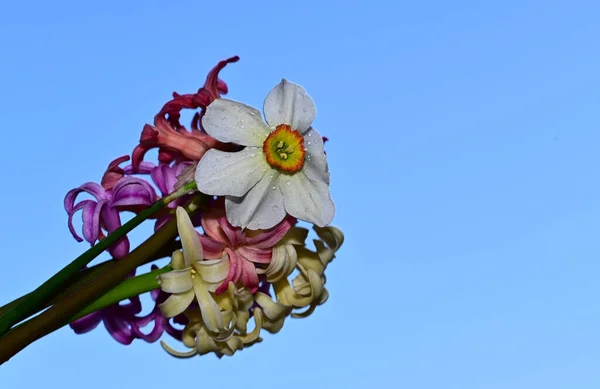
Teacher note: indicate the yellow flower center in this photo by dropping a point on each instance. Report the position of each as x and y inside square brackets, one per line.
[284, 149]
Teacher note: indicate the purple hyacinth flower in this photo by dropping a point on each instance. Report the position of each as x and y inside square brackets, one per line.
[118, 193]
[117, 321]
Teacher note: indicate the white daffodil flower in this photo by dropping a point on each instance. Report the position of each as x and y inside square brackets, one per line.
[283, 168]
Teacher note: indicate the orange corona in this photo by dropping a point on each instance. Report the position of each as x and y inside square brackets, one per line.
[284, 149]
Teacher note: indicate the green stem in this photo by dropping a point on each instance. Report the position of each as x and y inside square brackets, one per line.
[26, 307]
[130, 287]
[57, 315]
[85, 275]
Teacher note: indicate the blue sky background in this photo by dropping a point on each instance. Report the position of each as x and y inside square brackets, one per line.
[464, 158]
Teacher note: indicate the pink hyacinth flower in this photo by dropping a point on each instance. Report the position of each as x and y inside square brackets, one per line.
[174, 141]
[245, 252]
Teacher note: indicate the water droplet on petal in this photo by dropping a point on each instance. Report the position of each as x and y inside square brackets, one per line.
[310, 134]
[304, 110]
[288, 182]
[274, 188]
[252, 113]
[253, 155]
[241, 121]
[222, 117]
[213, 164]
[309, 143]
[275, 207]
[222, 109]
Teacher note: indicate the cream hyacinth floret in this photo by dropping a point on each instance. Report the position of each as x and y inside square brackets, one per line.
[219, 323]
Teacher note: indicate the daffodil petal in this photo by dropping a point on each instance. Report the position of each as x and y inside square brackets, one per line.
[231, 121]
[315, 161]
[176, 281]
[176, 303]
[230, 174]
[261, 208]
[307, 199]
[288, 103]
[190, 242]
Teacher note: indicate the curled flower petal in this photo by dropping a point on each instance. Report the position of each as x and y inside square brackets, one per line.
[86, 323]
[178, 354]
[177, 303]
[88, 207]
[211, 313]
[282, 264]
[213, 271]
[269, 238]
[132, 191]
[175, 281]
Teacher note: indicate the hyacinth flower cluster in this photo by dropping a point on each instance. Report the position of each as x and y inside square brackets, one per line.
[241, 264]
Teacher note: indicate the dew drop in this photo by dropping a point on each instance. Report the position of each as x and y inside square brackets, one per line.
[309, 143]
[288, 182]
[253, 155]
[274, 188]
[241, 121]
[222, 117]
[252, 113]
[310, 134]
[275, 207]
[222, 109]
[213, 164]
